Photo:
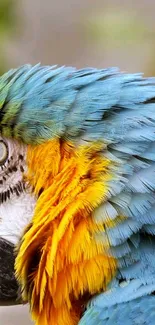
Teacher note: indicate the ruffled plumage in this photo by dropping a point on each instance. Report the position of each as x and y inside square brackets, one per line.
[90, 130]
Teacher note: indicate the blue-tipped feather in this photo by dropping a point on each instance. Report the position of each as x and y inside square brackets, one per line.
[119, 109]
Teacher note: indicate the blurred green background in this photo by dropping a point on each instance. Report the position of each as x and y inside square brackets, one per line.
[98, 33]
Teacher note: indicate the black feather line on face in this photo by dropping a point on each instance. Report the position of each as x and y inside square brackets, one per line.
[12, 167]
[17, 189]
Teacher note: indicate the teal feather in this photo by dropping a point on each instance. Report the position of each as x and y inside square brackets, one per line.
[139, 311]
[40, 103]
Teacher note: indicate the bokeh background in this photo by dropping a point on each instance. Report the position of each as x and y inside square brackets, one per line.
[79, 33]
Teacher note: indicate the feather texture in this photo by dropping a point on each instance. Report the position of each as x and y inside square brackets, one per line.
[52, 109]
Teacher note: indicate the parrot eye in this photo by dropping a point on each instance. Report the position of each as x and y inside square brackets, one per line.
[3, 152]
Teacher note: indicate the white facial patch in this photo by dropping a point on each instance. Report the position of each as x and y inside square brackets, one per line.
[16, 199]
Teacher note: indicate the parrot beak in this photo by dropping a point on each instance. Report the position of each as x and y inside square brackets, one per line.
[9, 290]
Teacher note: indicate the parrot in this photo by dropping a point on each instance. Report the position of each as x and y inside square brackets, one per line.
[77, 194]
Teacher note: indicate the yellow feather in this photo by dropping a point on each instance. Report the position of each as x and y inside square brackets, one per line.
[72, 182]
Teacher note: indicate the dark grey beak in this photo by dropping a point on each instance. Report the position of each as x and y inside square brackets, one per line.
[9, 290]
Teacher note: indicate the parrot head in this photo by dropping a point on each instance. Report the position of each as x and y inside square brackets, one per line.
[16, 209]
[50, 182]
[76, 184]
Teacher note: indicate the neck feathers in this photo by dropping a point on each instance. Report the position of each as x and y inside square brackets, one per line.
[59, 260]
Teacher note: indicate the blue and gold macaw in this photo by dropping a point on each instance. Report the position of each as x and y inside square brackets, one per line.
[77, 195]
